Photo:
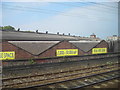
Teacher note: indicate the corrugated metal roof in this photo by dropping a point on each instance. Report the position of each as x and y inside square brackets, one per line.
[85, 45]
[7, 35]
[34, 47]
[31, 36]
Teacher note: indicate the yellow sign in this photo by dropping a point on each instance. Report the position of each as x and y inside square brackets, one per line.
[7, 55]
[99, 50]
[66, 52]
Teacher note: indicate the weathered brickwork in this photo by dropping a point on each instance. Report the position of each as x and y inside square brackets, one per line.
[19, 53]
[51, 52]
[102, 44]
[62, 45]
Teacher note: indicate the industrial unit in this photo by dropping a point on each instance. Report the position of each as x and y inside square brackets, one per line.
[91, 47]
[41, 49]
[19, 45]
[35, 49]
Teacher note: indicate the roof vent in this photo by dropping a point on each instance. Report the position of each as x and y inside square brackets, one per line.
[18, 29]
[36, 31]
[46, 32]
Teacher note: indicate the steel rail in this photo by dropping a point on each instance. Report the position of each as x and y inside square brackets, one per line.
[78, 87]
[76, 79]
[4, 79]
[57, 77]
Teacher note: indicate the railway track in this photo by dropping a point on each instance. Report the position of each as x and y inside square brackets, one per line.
[31, 70]
[82, 82]
[43, 79]
[113, 83]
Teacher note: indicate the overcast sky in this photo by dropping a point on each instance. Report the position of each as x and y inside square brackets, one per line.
[77, 18]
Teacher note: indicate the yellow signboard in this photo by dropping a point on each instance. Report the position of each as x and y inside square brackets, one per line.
[7, 55]
[66, 52]
[99, 50]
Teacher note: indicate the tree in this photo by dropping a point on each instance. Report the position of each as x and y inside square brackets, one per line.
[8, 28]
[1, 28]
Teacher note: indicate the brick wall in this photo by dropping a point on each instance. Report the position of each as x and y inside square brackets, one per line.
[102, 44]
[51, 52]
[19, 53]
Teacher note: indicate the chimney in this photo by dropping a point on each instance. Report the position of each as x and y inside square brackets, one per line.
[93, 36]
[58, 33]
[46, 32]
[18, 29]
[63, 34]
[36, 31]
[69, 34]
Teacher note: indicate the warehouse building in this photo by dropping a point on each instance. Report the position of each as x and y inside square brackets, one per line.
[42, 49]
[89, 47]
[23, 45]
[34, 49]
